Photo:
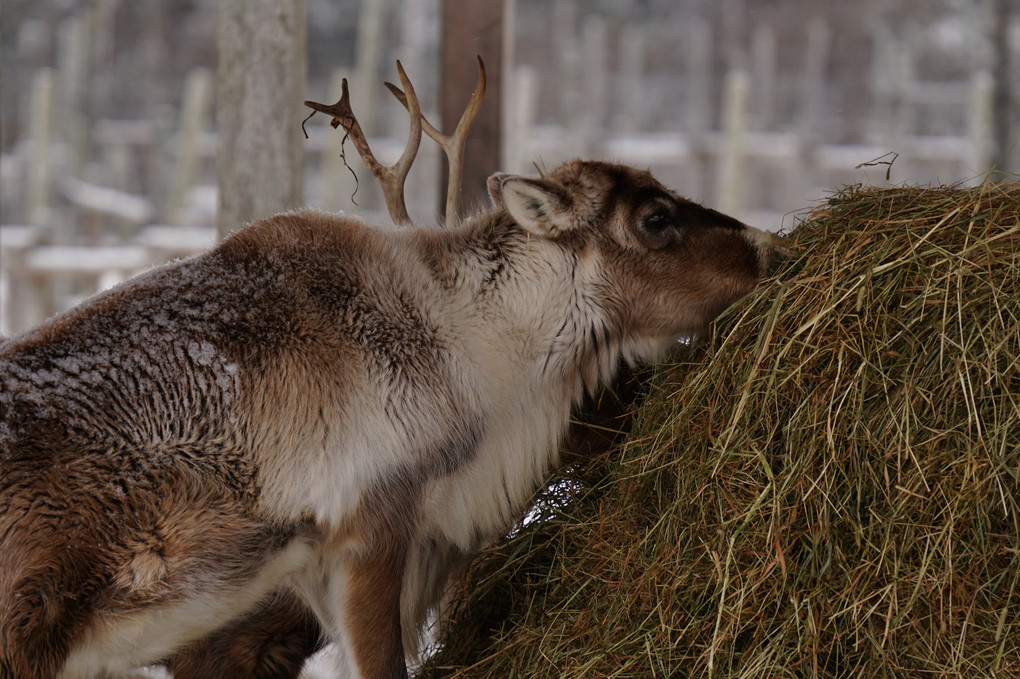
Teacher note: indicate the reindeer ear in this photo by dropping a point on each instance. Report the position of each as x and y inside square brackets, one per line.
[495, 186]
[541, 206]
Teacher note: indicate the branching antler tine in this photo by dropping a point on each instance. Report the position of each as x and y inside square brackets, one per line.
[453, 145]
[427, 127]
[391, 179]
[456, 159]
[403, 165]
[341, 109]
[343, 115]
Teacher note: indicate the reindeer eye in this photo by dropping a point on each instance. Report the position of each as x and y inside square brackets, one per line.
[657, 222]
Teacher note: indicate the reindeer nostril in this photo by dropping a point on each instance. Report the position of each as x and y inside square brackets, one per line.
[772, 249]
[780, 246]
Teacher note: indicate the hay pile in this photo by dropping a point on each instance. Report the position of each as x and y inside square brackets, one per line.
[830, 489]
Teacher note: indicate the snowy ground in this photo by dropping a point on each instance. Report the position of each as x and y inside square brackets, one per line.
[320, 666]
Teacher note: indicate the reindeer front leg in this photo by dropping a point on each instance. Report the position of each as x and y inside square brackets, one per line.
[371, 611]
[363, 572]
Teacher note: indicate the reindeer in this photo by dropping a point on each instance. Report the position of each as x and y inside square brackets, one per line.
[328, 413]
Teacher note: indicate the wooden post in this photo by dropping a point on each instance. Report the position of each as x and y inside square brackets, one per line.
[594, 70]
[195, 109]
[155, 54]
[731, 162]
[471, 27]
[523, 113]
[261, 85]
[74, 71]
[697, 90]
[734, 29]
[630, 105]
[6, 318]
[699, 72]
[1004, 112]
[906, 72]
[567, 77]
[883, 81]
[763, 76]
[980, 123]
[26, 299]
[367, 83]
[30, 54]
[40, 129]
[812, 85]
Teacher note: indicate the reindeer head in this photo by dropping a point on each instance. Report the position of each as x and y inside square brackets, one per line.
[663, 266]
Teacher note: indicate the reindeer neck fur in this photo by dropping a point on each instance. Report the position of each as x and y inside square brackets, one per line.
[517, 331]
[539, 296]
[527, 313]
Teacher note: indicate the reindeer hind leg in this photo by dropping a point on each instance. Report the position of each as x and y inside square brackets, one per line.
[271, 642]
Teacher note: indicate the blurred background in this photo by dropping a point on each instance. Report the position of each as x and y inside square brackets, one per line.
[133, 132]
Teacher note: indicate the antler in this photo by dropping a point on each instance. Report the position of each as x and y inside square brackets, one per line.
[453, 145]
[391, 178]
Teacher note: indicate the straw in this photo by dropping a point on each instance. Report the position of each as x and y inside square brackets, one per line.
[828, 487]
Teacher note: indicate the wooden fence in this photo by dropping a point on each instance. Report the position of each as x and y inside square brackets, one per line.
[77, 221]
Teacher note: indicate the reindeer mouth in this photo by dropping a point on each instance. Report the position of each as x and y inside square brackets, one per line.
[773, 250]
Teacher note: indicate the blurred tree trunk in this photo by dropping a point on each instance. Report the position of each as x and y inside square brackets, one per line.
[261, 82]
[471, 27]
